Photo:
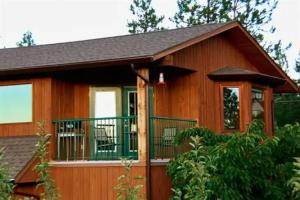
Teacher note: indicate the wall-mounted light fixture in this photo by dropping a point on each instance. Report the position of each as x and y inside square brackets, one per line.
[161, 79]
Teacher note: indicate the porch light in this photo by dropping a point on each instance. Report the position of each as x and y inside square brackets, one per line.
[161, 79]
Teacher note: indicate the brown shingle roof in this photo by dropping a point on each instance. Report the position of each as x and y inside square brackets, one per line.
[97, 50]
[18, 151]
[237, 73]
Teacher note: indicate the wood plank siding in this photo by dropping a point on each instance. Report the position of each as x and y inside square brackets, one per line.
[194, 95]
[90, 182]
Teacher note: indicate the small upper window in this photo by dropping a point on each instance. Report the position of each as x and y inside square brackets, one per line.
[257, 104]
[16, 103]
[231, 104]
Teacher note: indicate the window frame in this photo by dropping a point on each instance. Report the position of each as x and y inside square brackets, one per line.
[22, 82]
[221, 90]
[264, 89]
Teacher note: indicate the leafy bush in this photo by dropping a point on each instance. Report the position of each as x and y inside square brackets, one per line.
[126, 190]
[190, 174]
[6, 187]
[246, 165]
[42, 168]
[295, 181]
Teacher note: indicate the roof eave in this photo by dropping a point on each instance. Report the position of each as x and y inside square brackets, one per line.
[78, 65]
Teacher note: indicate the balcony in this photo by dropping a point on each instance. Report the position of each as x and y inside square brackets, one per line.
[112, 138]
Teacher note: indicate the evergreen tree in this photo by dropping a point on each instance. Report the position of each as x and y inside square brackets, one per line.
[297, 64]
[191, 12]
[277, 52]
[144, 17]
[27, 40]
[254, 15]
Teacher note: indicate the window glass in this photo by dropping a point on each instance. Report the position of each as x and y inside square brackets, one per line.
[231, 108]
[16, 103]
[257, 104]
[105, 104]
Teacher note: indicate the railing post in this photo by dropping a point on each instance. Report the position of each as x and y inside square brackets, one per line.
[143, 124]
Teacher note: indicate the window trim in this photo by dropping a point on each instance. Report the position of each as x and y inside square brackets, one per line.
[264, 89]
[221, 90]
[95, 88]
[16, 83]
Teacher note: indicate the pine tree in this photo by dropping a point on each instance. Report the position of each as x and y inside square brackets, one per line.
[145, 18]
[190, 13]
[254, 15]
[297, 63]
[27, 40]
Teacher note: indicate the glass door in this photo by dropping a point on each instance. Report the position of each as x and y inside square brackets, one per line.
[130, 125]
[106, 126]
[130, 110]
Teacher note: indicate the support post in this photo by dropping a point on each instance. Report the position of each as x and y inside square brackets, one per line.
[143, 124]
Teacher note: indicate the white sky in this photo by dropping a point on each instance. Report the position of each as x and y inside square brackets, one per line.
[53, 21]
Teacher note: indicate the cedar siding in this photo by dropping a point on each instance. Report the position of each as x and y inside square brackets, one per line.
[62, 90]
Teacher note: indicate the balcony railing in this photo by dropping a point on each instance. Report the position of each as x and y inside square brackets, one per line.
[163, 131]
[96, 138]
[111, 138]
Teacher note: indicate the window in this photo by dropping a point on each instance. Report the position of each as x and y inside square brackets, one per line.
[231, 103]
[16, 103]
[257, 104]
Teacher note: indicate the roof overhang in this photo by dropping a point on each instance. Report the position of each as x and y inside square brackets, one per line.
[74, 66]
[239, 74]
[233, 30]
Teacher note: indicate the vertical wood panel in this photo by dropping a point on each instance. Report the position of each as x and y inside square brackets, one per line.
[194, 95]
[91, 182]
[160, 183]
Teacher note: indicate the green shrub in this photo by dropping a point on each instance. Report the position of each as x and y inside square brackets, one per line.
[246, 165]
[126, 189]
[42, 168]
[188, 172]
[6, 187]
[295, 180]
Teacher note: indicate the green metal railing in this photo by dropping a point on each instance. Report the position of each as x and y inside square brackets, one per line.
[107, 138]
[111, 138]
[163, 131]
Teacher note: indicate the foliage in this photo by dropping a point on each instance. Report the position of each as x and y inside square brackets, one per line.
[295, 181]
[277, 52]
[286, 108]
[42, 168]
[27, 40]
[248, 12]
[126, 190]
[297, 63]
[189, 173]
[254, 15]
[246, 165]
[209, 138]
[190, 12]
[6, 187]
[283, 157]
[145, 18]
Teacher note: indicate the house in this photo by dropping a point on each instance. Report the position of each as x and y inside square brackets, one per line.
[128, 96]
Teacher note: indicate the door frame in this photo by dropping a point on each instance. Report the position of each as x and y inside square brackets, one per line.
[93, 152]
[126, 90]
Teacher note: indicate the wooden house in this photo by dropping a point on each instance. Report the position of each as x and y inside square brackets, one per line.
[128, 96]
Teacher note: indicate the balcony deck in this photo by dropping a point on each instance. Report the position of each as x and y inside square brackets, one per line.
[113, 138]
